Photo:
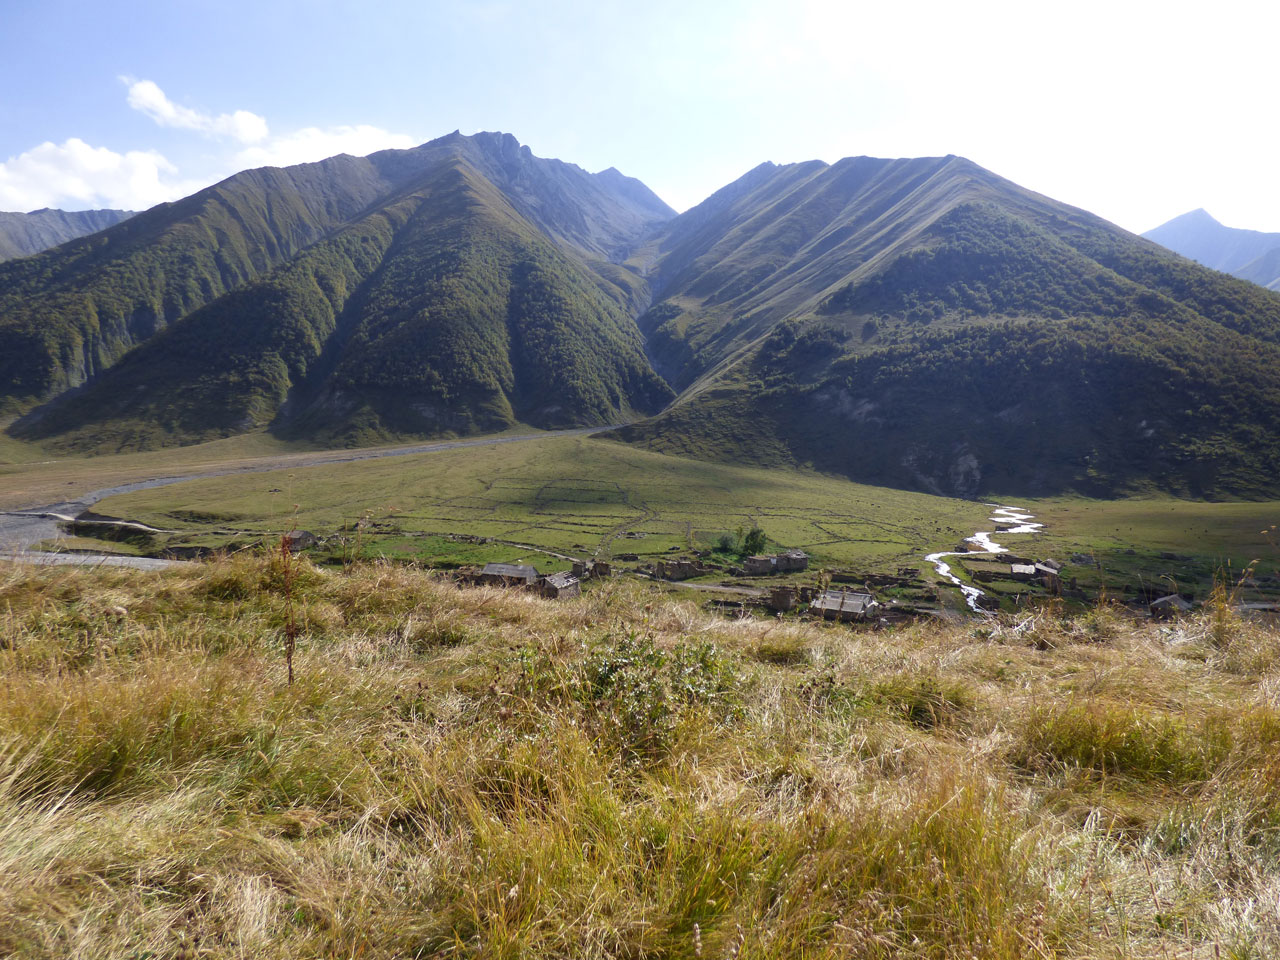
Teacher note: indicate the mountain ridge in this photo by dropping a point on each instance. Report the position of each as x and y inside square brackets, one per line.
[985, 283]
[245, 357]
[1252, 255]
[25, 234]
[113, 291]
[918, 322]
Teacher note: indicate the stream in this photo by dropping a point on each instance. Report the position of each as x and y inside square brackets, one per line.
[1021, 521]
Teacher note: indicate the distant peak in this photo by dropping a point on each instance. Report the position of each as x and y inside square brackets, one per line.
[1201, 214]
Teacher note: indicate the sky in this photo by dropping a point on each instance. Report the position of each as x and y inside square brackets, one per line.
[1137, 111]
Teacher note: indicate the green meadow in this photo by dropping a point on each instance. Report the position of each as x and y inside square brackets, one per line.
[571, 496]
[549, 498]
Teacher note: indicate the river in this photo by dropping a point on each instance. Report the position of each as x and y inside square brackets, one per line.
[1022, 524]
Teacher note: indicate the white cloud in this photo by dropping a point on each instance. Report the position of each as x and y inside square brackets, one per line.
[314, 143]
[74, 175]
[147, 97]
[77, 175]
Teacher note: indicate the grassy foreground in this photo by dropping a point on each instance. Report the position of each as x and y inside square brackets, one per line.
[469, 772]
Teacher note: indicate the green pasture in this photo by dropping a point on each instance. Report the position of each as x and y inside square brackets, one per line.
[583, 497]
[575, 496]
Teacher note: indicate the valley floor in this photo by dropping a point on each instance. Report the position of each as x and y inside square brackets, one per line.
[550, 497]
[473, 772]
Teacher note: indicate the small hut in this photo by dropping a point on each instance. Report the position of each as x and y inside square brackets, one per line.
[782, 599]
[843, 605]
[1168, 607]
[559, 586]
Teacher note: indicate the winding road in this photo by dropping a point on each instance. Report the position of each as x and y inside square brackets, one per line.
[22, 529]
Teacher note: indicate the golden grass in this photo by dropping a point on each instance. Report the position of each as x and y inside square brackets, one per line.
[473, 772]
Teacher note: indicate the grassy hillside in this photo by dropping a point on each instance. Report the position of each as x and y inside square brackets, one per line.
[72, 312]
[69, 315]
[444, 311]
[1009, 349]
[479, 773]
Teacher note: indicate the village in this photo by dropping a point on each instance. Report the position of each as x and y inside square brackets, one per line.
[783, 583]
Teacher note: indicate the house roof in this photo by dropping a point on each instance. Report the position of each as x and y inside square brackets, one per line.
[843, 600]
[1172, 600]
[519, 571]
[560, 580]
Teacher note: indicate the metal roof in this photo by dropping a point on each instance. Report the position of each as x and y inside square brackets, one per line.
[519, 571]
[560, 580]
[843, 600]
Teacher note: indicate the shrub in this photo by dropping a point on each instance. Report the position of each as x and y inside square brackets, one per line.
[639, 691]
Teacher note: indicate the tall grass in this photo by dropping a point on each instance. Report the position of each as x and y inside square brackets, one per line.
[473, 772]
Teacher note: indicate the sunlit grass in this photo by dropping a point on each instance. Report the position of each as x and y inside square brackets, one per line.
[473, 772]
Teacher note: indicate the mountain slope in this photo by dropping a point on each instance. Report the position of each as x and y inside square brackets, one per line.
[1264, 271]
[22, 234]
[921, 323]
[925, 323]
[70, 313]
[443, 309]
[1249, 254]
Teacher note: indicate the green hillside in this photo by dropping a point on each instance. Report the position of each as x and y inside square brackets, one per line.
[462, 285]
[922, 323]
[997, 342]
[444, 311]
[71, 312]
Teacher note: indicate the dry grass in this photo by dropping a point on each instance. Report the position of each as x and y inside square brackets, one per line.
[482, 773]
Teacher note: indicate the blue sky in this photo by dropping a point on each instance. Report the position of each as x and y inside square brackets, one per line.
[1138, 111]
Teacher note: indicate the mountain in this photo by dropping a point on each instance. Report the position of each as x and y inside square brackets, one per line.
[22, 234]
[1264, 271]
[459, 286]
[926, 323]
[1249, 254]
[920, 323]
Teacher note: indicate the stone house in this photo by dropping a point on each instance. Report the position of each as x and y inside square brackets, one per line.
[297, 540]
[792, 561]
[844, 605]
[559, 586]
[782, 599]
[1168, 607]
[508, 575]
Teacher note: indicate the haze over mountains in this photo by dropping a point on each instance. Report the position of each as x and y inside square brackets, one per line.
[22, 234]
[918, 322]
[1248, 254]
